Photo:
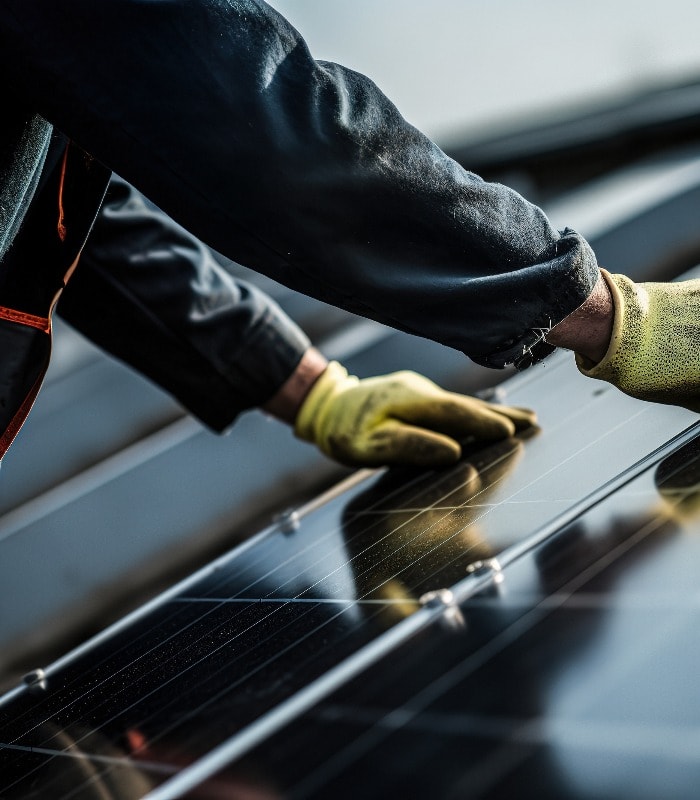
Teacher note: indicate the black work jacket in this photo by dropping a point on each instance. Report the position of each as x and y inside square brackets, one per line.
[146, 290]
[51, 193]
[300, 169]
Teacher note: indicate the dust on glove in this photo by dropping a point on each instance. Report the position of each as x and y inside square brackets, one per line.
[401, 418]
[654, 351]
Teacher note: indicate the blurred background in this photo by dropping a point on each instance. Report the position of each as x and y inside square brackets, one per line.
[461, 68]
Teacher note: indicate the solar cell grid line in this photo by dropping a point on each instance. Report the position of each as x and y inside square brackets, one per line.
[376, 544]
[457, 531]
[432, 506]
[302, 551]
[393, 714]
[211, 699]
[299, 552]
[262, 556]
[184, 746]
[346, 601]
[182, 718]
[186, 626]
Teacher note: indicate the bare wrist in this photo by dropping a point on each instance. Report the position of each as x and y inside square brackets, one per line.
[588, 329]
[286, 402]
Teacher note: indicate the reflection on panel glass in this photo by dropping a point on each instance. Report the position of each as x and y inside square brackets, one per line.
[404, 544]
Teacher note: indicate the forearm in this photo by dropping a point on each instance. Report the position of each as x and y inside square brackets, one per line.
[287, 401]
[588, 329]
[152, 295]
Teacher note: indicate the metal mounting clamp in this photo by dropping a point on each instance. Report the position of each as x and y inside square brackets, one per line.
[445, 600]
[287, 521]
[35, 680]
[488, 566]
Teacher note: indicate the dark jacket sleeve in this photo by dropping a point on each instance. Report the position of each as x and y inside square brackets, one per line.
[298, 168]
[155, 297]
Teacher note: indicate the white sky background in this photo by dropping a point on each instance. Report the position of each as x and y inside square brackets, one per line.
[456, 66]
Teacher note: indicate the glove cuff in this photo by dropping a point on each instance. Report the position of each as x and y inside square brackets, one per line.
[654, 351]
[624, 296]
[307, 423]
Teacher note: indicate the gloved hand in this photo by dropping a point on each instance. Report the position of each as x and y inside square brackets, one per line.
[401, 418]
[654, 351]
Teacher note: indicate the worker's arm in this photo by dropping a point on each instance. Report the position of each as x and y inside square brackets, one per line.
[400, 418]
[152, 295]
[305, 171]
[149, 293]
[298, 168]
[654, 347]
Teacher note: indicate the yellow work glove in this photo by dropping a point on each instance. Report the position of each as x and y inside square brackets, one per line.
[654, 351]
[402, 418]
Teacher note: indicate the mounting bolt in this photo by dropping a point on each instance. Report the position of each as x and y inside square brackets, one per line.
[489, 566]
[436, 598]
[444, 599]
[35, 680]
[288, 521]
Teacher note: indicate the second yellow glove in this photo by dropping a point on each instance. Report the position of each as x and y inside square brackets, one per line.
[654, 351]
[401, 418]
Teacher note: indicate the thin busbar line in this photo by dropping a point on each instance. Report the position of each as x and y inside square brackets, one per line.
[111, 697]
[209, 654]
[143, 697]
[162, 599]
[319, 601]
[120, 761]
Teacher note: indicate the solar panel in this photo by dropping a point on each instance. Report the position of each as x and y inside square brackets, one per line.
[576, 678]
[294, 661]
